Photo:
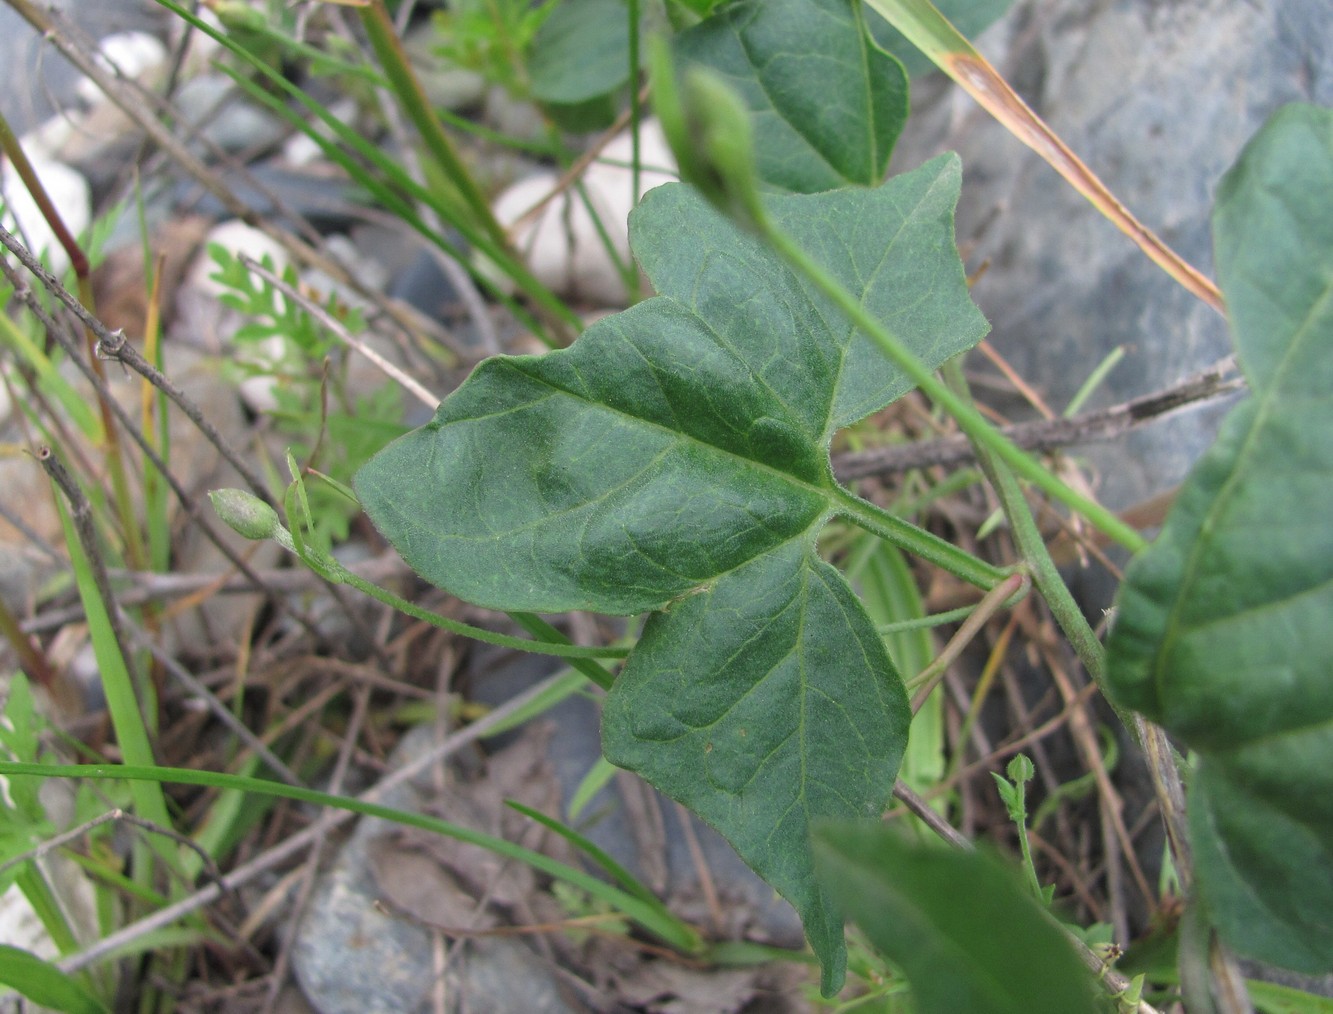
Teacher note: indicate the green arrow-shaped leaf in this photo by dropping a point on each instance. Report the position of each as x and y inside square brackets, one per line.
[675, 441]
[827, 103]
[676, 456]
[764, 704]
[1224, 633]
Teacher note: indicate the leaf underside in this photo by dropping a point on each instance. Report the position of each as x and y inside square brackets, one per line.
[675, 458]
[1223, 632]
[826, 104]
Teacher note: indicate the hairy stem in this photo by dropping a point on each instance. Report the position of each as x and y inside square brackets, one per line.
[918, 541]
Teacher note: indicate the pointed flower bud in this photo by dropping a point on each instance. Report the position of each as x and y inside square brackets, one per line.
[708, 128]
[245, 513]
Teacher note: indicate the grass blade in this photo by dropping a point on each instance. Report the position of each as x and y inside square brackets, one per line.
[672, 931]
[928, 30]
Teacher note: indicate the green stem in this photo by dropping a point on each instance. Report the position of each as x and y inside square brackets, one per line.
[635, 118]
[336, 572]
[1025, 846]
[918, 541]
[403, 81]
[111, 652]
[1032, 548]
[331, 570]
[560, 648]
[543, 631]
[1046, 576]
[968, 418]
[925, 622]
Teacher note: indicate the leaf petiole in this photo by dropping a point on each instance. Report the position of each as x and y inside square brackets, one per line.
[968, 418]
[251, 517]
[907, 536]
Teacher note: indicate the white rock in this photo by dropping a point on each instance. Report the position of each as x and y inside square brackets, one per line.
[46, 140]
[136, 55]
[260, 393]
[267, 356]
[20, 925]
[239, 238]
[562, 245]
[302, 150]
[69, 193]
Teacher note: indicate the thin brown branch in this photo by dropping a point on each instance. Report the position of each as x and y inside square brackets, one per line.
[338, 330]
[117, 816]
[922, 810]
[188, 504]
[1210, 384]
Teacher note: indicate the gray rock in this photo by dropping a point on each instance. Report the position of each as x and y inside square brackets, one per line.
[348, 956]
[352, 958]
[214, 104]
[326, 203]
[1158, 98]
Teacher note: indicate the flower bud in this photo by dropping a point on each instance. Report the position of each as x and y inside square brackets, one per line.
[708, 128]
[245, 513]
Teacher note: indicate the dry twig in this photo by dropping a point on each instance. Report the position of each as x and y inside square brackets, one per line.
[1216, 382]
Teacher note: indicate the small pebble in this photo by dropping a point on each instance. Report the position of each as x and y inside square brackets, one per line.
[239, 238]
[69, 193]
[134, 55]
[562, 245]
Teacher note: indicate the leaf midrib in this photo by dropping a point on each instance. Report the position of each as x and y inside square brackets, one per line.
[1266, 402]
[822, 444]
[917, 211]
